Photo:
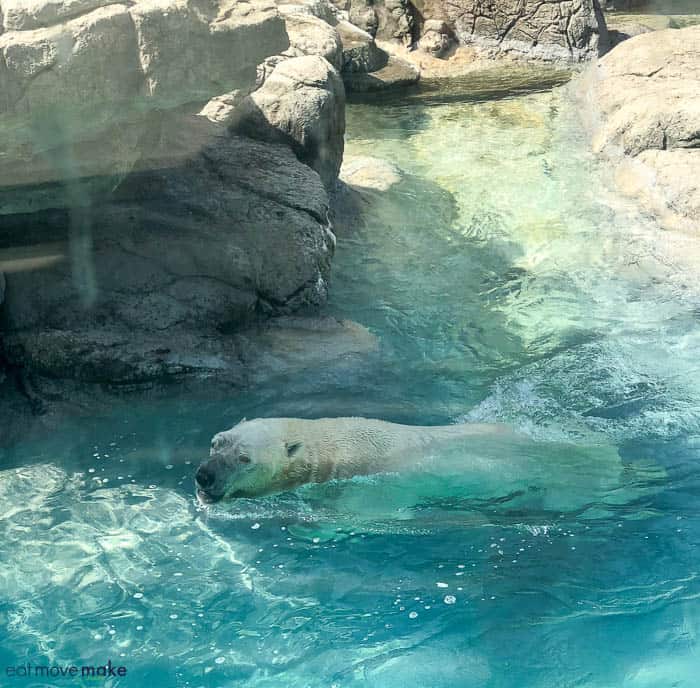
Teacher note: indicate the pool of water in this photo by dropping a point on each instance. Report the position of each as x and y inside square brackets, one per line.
[504, 281]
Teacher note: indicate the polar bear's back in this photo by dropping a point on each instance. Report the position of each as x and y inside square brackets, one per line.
[353, 445]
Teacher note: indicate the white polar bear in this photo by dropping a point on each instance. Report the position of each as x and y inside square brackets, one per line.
[269, 455]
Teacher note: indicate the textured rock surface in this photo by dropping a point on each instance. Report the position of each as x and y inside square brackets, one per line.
[75, 98]
[436, 37]
[252, 355]
[23, 15]
[91, 372]
[360, 51]
[396, 73]
[311, 35]
[367, 173]
[140, 241]
[383, 19]
[643, 97]
[302, 103]
[185, 246]
[323, 9]
[545, 29]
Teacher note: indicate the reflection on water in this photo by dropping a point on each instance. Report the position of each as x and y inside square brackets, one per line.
[505, 282]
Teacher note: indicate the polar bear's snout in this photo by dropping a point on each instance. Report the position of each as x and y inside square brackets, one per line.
[210, 480]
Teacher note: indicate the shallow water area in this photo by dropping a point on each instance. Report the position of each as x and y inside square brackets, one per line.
[506, 282]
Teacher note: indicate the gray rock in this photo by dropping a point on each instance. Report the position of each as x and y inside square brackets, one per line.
[543, 29]
[362, 13]
[642, 100]
[149, 245]
[360, 52]
[563, 29]
[322, 9]
[224, 42]
[180, 249]
[436, 38]
[87, 66]
[395, 21]
[24, 15]
[302, 103]
[396, 74]
[224, 109]
[309, 35]
[389, 20]
[76, 98]
[88, 372]
[367, 173]
[253, 355]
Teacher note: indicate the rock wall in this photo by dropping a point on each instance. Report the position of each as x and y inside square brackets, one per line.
[548, 29]
[543, 29]
[164, 177]
[641, 101]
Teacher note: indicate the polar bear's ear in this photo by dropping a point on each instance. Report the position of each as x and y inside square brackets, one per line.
[242, 420]
[293, 447]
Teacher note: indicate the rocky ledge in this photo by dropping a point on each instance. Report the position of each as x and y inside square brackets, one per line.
[644, 109]
[165, 168]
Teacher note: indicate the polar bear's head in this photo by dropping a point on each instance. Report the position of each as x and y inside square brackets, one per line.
[249, 460]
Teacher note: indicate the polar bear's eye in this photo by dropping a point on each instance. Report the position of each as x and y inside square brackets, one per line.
[244, 458]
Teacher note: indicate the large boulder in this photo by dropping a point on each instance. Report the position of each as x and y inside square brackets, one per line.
[311, 35]
[25, 15]
[396, 73]
[360, 51]
[369, 68]
[183, 243]
[180, 249]
[643, 103]
[77, 95]
[301, 103]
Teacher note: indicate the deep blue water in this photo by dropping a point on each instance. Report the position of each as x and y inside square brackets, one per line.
[504, 281]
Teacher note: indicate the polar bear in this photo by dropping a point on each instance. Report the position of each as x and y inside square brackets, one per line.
[269, 455]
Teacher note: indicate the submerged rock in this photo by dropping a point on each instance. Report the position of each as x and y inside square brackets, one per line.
[642, 101]
[255, 354]
[365, 172]
[93, 371]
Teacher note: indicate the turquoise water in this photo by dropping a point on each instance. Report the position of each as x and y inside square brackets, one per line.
[504, 282]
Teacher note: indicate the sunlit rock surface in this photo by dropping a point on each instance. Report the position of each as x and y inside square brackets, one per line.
[558, 30]
[302, 103]
[642, 101]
